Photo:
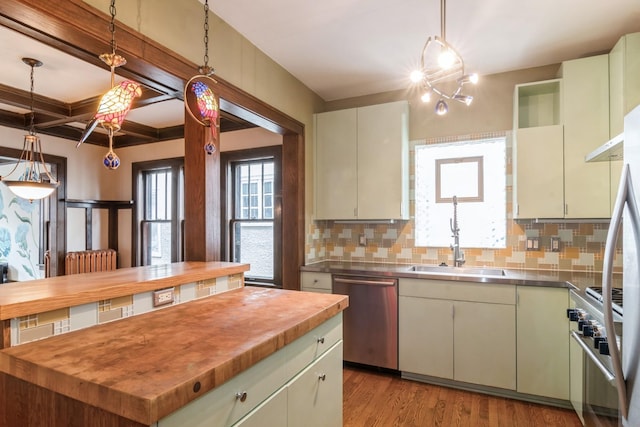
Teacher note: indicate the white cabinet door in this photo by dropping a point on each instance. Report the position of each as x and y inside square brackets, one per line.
[271, 412]
[485, 344]
[315, 395]
[539, 176]
[383, 186]
[362, 158]
[336, 164]
[425, 334]
[543, 341]
[585, 115]
[315, 282]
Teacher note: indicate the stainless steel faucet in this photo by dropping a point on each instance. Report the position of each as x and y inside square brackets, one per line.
[458, 255]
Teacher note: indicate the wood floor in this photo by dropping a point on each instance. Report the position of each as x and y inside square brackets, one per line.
[381, 399]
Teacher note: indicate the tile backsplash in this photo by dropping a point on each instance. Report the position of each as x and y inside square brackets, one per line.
[580, 245]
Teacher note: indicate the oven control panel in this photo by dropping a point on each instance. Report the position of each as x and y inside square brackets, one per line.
[589, 327]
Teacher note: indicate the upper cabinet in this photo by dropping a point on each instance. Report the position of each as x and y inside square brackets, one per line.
[624, 85]
[538, 150]
[362, 163]
[557, 122]
[585, 114]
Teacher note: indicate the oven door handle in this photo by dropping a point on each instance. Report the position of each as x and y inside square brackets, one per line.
[610, 378]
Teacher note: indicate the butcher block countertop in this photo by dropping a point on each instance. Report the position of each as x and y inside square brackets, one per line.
[147, 366]
[37, 296]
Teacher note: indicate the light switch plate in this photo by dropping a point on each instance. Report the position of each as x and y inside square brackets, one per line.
[533, 244]
[162, 297]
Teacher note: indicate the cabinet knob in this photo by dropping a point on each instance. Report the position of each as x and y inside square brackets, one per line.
[241, 396]
[321, 340]
[315, 280]
[322, 377]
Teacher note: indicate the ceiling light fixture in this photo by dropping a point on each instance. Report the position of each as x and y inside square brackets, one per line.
[31, 184]
[199, 99]
[442, 70]
[116, 103]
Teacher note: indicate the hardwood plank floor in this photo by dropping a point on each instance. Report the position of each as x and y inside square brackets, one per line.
[380, 399]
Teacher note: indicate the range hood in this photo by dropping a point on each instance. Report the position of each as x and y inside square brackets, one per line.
[610, 150]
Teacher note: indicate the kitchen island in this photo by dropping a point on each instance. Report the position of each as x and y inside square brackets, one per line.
[139, 370]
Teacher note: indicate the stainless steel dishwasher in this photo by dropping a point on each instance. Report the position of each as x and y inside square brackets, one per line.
[371, 320]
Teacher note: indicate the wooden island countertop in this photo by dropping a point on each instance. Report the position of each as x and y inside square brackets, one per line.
[36, 296]
[147, 366]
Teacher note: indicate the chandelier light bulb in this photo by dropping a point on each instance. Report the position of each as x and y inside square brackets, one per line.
[416, 76]
[426, 97]
[446, 59]
[441, 107]
[473, 78]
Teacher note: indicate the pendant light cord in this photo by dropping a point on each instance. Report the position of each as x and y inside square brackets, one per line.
[32, 126]
[112, 25]
[443, 20]
[206, 33]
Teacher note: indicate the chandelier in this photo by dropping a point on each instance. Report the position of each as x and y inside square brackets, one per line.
[199, 99]
[35, 182]
[442, 70]
[116, 103]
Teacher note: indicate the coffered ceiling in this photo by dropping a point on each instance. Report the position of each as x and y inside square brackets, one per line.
[67, 91]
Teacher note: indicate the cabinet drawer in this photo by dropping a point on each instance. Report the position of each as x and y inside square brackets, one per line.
[221, 407]
[315, 280]
[458, 291]
[312, 345]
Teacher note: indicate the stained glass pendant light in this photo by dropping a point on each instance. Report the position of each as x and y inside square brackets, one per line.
[442, 70]
[199, 99]
[35, 182]
[116, 103]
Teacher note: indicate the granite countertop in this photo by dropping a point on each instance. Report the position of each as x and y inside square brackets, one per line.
[145, 367]
[565, 279]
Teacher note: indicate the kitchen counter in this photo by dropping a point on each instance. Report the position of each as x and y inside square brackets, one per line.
[36, 296]
[145, 367]
[563, 279]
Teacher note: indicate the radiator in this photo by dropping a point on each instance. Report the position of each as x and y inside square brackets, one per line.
[90, 261]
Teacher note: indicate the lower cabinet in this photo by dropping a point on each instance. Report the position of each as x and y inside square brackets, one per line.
[299, 385]
[506, 336]
[315, 282]
[543, 341]
[458, 331]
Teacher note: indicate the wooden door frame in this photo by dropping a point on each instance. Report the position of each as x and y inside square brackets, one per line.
[78, 29]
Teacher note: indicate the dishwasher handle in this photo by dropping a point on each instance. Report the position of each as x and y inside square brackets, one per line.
[368, 282]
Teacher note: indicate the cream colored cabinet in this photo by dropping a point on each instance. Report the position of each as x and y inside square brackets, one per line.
[457, 330]
[624, 85]
[271, 412]
[263, 393]
[485, 343]
[425, 336]
[362, 163]
[543, 342]
[557, 123]
[314, 397]
[538, 150]
[315, 282]
[585, 104]
[538, 172]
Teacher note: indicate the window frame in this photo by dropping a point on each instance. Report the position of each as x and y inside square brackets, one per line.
[138, 218]
[227, 160]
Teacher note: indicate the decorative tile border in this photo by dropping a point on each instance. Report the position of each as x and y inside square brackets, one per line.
[47, 324]
[581, 244]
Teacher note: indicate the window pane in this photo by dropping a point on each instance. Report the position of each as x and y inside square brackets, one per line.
[253, 244]
[158, 240]
[481, 224]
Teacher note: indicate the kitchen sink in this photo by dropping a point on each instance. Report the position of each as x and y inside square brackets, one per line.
[449, 269]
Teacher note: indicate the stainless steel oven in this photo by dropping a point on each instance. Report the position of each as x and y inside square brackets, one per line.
[594, 395]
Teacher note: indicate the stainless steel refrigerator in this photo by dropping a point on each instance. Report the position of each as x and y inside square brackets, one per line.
[626, 356]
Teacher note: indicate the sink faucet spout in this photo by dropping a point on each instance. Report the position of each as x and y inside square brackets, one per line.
[458, 255]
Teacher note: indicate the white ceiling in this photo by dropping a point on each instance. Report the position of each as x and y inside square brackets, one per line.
[347, 48]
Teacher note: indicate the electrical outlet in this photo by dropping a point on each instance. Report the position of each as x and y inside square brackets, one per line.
[555, 244]
[162, 297]
[362, 240]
